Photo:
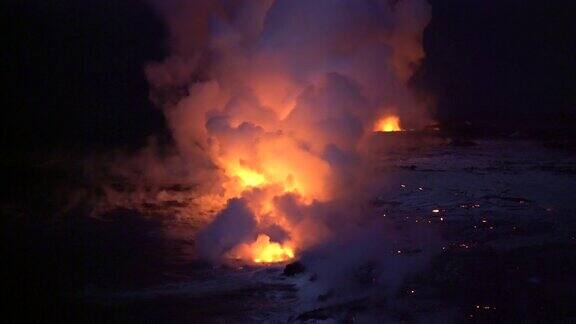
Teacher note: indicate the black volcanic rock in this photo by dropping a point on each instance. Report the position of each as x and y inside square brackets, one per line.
[459, 142]
[294, 268]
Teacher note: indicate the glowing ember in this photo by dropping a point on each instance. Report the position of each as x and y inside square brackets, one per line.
[388, 124]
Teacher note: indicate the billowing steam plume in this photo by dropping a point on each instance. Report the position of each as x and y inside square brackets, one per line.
[270, 104]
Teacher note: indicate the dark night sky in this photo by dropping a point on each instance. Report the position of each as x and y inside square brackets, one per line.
[76, 73]
[507, 63]
[76, 81]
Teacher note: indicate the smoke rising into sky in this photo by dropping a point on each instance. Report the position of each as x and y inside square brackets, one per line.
[148, 142]
[271, 103]
[272, 108]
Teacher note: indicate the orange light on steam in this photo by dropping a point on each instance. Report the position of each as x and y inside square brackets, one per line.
[249, 178]
[388, 124]
[265, 251]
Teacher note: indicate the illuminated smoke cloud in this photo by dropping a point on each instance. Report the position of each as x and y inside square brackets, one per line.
[272, 108]
[272, 102]
[231, 227]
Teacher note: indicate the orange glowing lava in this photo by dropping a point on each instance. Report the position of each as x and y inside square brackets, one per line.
[264, 251]
[274, 166]
[270, 252]
[388, 124]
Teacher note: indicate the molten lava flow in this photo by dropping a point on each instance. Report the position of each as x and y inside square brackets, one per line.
[272, 167]
[269, 252]
[263, 251]
[388, 124]
[272, 129]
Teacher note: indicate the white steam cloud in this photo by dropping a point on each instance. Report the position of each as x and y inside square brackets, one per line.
[270, 104]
